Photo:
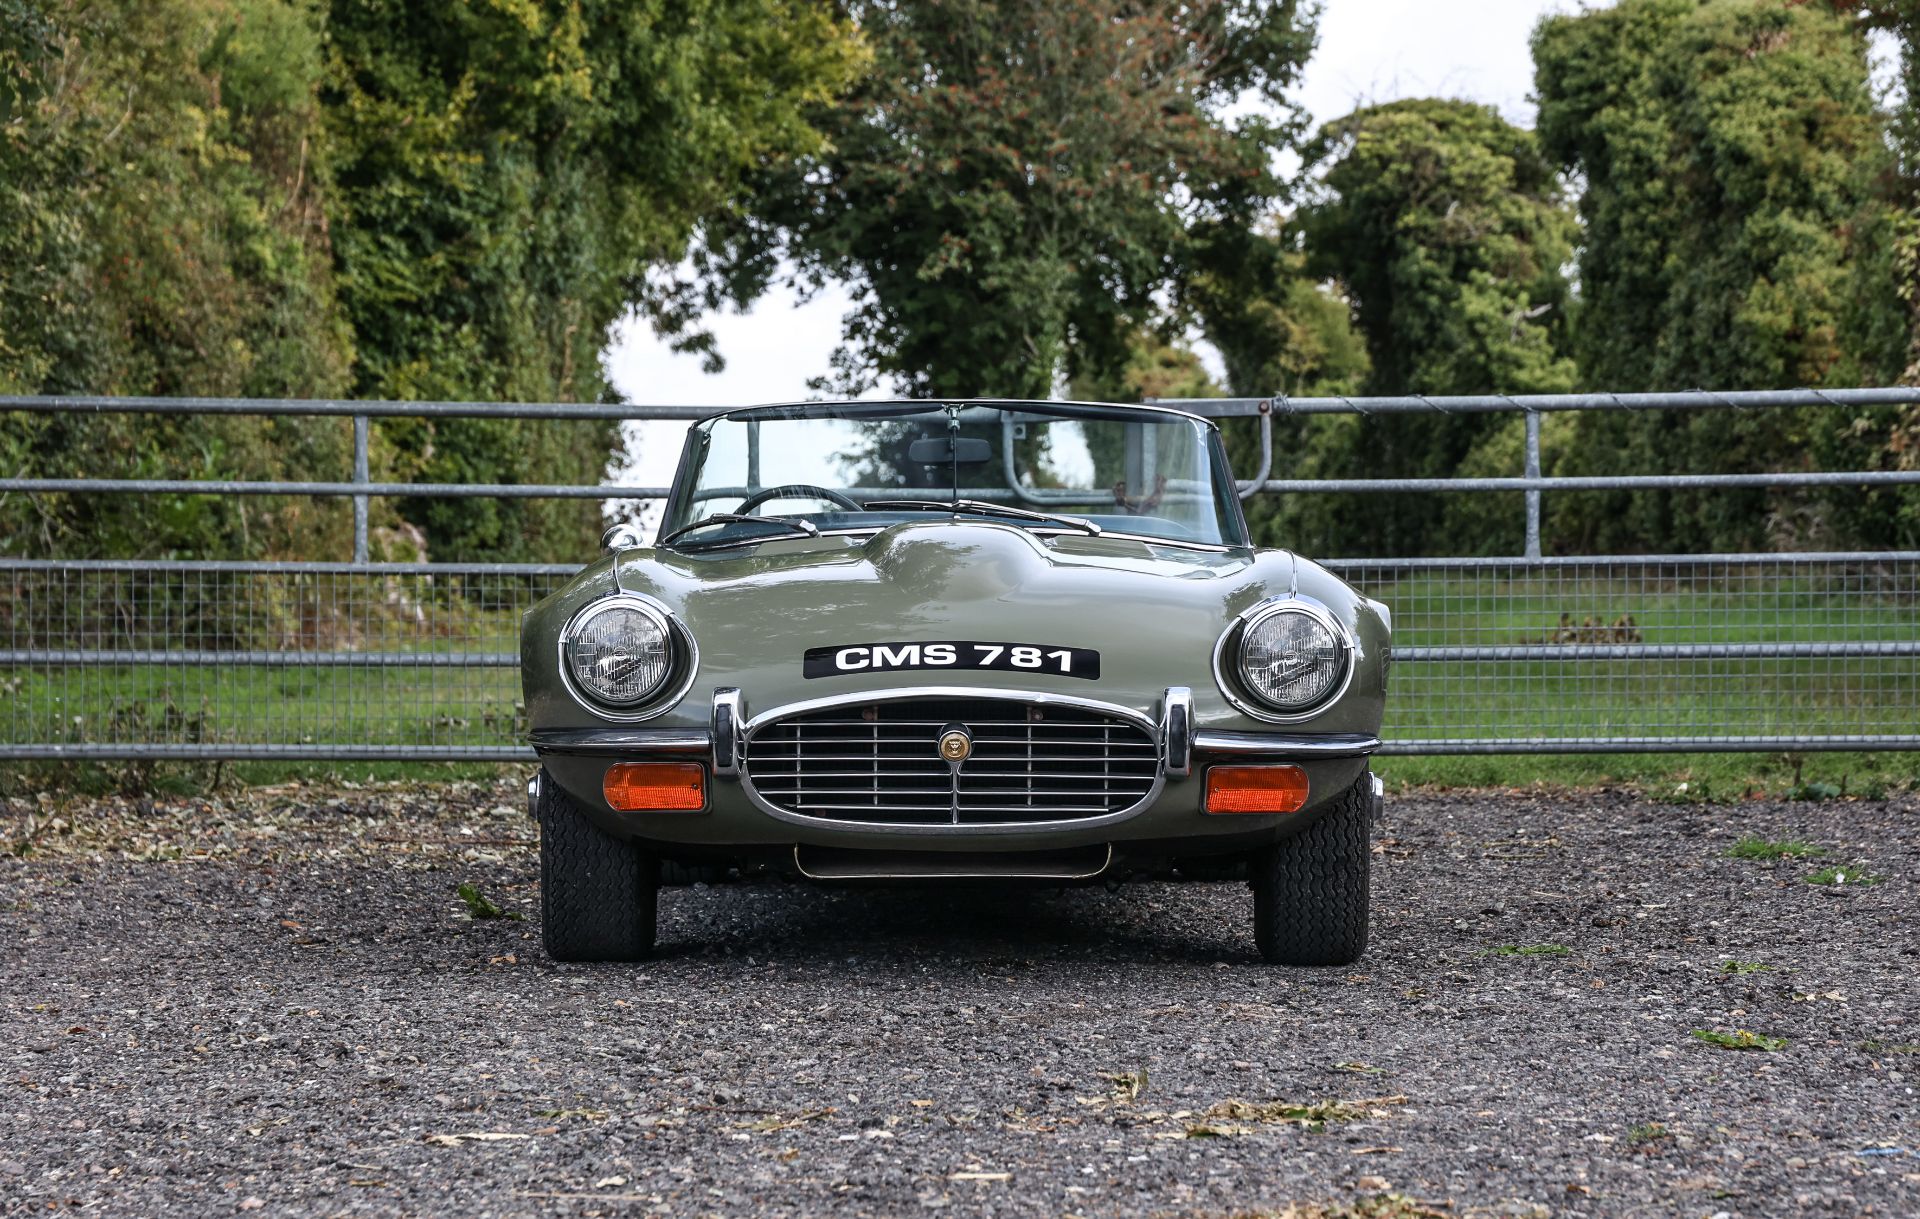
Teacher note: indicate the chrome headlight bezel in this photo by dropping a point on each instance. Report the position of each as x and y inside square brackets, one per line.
[683, 660]
[1228, 664]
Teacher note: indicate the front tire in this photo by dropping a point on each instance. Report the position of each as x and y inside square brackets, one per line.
[598, 893]
[1311, 891]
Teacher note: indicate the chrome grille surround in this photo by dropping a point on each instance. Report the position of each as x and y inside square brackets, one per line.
[872, 761]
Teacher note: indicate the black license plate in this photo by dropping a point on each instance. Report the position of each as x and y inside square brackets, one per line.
[961, 654]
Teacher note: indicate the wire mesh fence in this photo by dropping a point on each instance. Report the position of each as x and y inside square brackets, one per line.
[206, 660]
[1651, 654]
[350, 660]
[214, 660]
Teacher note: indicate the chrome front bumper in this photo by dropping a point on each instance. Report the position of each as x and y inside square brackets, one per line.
[736, 816]
[723, 742]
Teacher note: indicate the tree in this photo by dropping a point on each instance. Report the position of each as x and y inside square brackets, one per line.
[1279, 333]
[295, 198]
[1890, 245]
[1445, 231]
[1727, 150]
[160, 233]
[1013, 181]
[505, 175]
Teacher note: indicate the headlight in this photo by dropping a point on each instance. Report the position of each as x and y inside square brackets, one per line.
[1291, 658]
[618, 652]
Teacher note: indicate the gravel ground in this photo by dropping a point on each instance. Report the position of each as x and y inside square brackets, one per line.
[277, 1002]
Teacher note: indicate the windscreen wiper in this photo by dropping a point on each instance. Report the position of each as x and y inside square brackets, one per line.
[736, 518]
[981, 507]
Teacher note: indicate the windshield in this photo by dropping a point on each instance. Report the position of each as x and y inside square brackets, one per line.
[867, 466]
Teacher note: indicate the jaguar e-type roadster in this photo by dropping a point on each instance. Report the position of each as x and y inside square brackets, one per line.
[981, 641]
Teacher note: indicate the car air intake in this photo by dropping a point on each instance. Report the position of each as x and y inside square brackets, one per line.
[882, 763]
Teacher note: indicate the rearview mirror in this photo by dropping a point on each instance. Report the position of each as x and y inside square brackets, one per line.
[948, 450]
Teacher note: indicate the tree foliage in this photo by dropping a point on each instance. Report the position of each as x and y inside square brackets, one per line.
[1727, 151]
[1447, 231]
[297, 198]
[160, 233]
[1443, 232]
[505, 174]
[1013, 180]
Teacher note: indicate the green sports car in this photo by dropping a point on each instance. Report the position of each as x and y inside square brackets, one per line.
[981, 641]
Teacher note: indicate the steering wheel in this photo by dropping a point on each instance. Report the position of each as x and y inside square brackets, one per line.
[797, 491]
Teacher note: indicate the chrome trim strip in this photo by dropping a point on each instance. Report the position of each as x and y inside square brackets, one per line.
[676, 632]
[1057, 874]
[1300, 745]
[1379, 798]
[1246, 620]
[894, 694]
[619, 742]
[1176, 732]
[726, 733]
[533, 794]
[900, 693]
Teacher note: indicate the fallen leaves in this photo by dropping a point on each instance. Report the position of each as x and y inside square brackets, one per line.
[1377, 1206]
[471, 1136]
[769, 1123]
[1129, 1085]
[584, 1115]
[1231, 1117]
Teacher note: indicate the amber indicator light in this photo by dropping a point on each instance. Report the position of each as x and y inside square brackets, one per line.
[1256, 789]
[656, 787]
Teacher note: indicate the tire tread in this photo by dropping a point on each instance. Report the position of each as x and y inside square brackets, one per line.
[1311, 892]
[598, 894]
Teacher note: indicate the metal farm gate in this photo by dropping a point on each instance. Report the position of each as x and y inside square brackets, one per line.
[140, 659]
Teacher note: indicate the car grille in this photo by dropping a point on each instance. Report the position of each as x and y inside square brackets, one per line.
[880, 762]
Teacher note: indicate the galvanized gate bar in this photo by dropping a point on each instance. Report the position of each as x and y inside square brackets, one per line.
[83, 404]
[66, 657]
[1225, 407]
[1418, 404]
[358, 490]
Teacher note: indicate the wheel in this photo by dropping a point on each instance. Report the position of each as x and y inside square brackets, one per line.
[1310, 891]
[598, 893]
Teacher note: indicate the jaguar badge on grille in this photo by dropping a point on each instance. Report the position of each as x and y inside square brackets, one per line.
[956, 744]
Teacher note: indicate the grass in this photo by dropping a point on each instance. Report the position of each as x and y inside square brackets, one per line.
[1735, 968]
[1752, 846]
[1739, 1039]
[1886, 1047]
[454, 706]
[1713, 778]
[480, 906]
[1529, 950]
[181, 779]
[1851, 875]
